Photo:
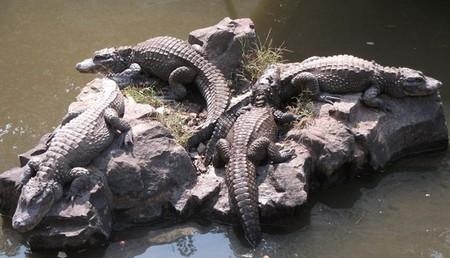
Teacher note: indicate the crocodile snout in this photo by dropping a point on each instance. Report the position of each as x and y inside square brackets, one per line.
[86, 66]
[20, 224]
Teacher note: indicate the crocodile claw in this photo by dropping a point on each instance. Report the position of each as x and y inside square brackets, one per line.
[18, 187]
[290, 153]
[126, 140]
[329, 99]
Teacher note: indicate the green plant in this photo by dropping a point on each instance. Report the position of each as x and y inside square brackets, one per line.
[144, 95]
[175, 122]
[256, 59]
[303, 107]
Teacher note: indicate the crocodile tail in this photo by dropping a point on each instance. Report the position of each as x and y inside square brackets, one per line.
[214, 89]
[243, 191]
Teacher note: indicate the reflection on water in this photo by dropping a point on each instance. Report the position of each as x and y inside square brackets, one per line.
[401, 213]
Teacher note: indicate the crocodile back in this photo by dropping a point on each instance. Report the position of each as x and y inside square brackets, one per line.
[161, 55]
[82, 138]
[335, 74]
[240, 174]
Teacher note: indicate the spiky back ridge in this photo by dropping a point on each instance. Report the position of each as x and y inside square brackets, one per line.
[78, 139]
[341, 73]
[330, 63]
[241, 172]
[168, 53]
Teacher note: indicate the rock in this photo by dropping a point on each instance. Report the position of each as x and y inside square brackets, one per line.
[85, 223]
[415, 125]
[150, 177]
[222, 43]
[346, 137]
[9, 194]
[282, 188]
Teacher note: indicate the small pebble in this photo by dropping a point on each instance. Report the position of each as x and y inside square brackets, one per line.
[201, 148]
[61, 255]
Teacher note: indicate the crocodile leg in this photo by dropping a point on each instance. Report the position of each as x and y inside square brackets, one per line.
[284, 117]
[113, 119]
[78, 176]
[262, 147]
[371, 98]
[71, 115]
[308, 82]
[130, 77]
[222, 153]
[178, 77]
[29, 171]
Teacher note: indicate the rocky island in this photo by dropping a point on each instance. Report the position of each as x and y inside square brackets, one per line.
[352, 128]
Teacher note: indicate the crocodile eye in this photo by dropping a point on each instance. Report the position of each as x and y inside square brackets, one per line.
[101, 57]
[415, 80]
[232, 24]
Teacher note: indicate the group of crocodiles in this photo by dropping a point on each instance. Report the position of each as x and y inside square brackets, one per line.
[241, 139]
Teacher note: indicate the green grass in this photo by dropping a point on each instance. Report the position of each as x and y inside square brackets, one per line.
[255, 60]
[144, 96]
[176, 123]
[173, 119]
[303, 106]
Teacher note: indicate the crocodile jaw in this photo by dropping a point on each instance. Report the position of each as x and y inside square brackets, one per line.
[430, 87]
[35, 201]
[88, 66]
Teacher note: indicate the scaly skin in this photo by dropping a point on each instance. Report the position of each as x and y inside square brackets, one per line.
[74, 144]
[169, 59]
[342, 74]
[250, 141]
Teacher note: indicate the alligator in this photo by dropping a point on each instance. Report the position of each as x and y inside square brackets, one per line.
[169, 59]
[250, 140]
[342, 74]
[81, 136]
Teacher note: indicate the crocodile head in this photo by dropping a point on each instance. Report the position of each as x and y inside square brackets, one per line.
[415, 83]
[35, 201]
[107, 60]
[266, 90]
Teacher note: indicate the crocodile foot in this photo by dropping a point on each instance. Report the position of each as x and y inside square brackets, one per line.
[328, 99]
[78, 186]
[126, 139]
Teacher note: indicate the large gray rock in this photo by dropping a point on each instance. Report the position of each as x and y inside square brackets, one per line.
[350, 135]
[223, 43]
[282, 188]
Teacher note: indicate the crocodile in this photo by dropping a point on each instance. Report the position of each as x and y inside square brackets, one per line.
[169, 59]
[81, 136]
[340, 74]
[250, 140]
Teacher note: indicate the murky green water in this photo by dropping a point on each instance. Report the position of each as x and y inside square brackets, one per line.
[403, 212]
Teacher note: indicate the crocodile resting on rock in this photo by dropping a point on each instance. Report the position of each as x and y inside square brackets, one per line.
[169, 59]
[75, 143]
[341, 74]
[250, 141]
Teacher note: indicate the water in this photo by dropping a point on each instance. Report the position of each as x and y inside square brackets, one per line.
[402, 212]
